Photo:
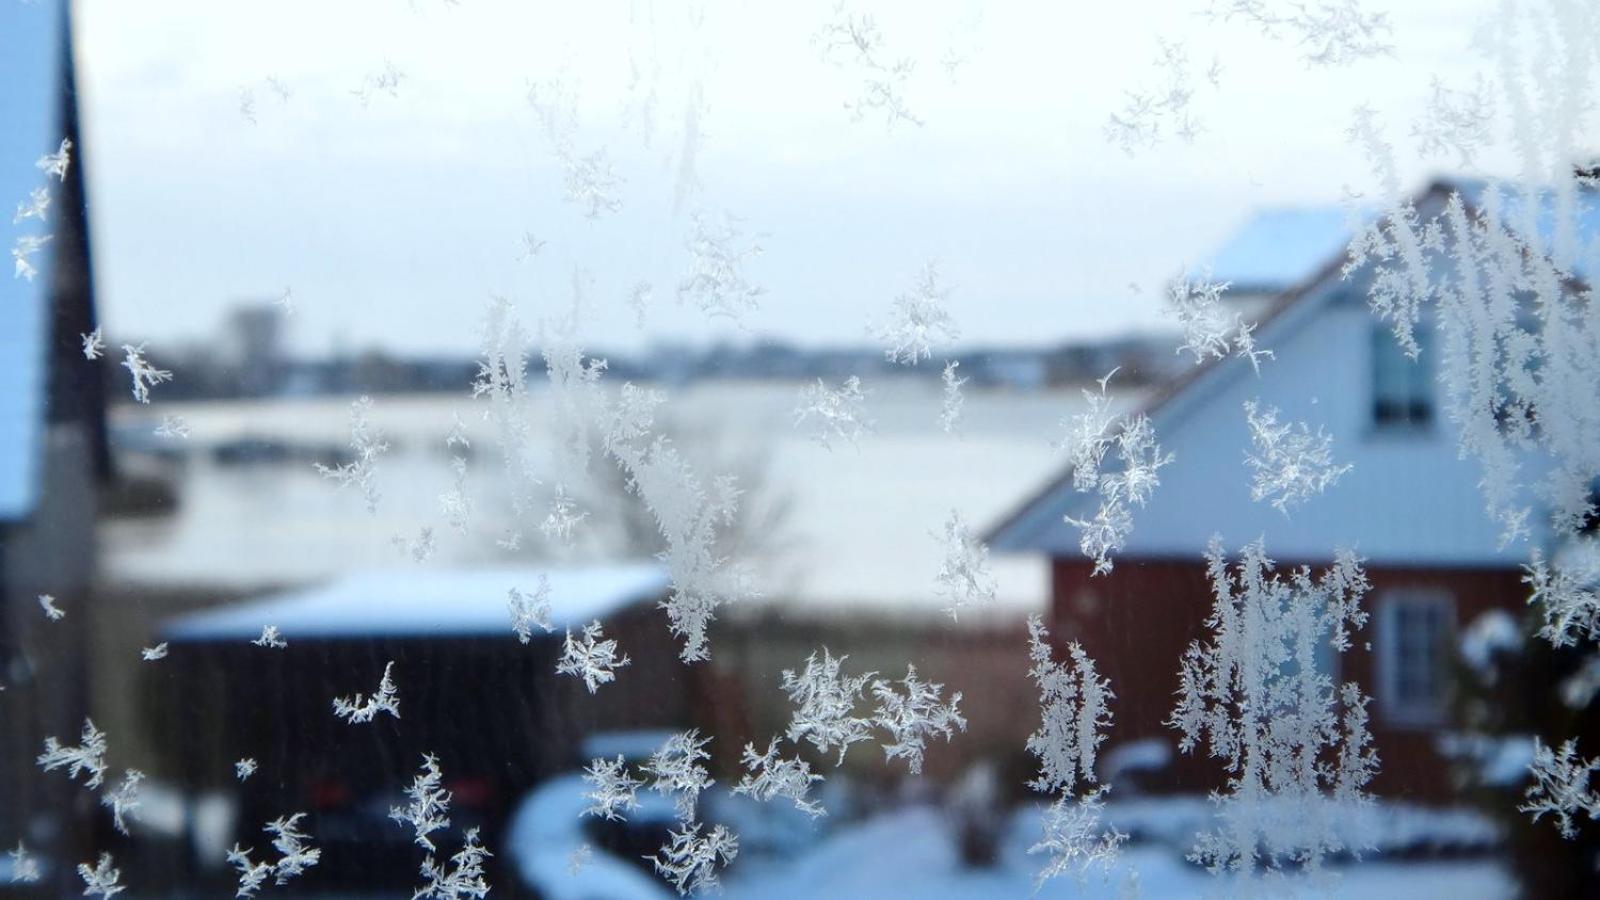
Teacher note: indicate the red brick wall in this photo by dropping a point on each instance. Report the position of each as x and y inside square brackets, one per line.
[1138, 621]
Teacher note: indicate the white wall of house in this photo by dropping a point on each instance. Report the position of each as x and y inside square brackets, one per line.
[1410, 500]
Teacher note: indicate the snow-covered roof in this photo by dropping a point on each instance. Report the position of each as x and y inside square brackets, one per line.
[1410, 499]
[30, 48]
[1277, 248]
[406, 602]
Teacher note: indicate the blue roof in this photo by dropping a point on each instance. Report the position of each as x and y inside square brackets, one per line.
[30, 98]
[1277, 248]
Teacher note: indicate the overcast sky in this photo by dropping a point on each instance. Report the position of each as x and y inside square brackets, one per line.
[392, 221]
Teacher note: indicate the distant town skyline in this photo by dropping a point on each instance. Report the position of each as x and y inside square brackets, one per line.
[381, 161]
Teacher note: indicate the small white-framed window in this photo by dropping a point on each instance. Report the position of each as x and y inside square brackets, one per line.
[1415, 629]
[1402, 387]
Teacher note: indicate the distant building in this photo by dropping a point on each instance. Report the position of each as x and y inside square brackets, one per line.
[52, 438]
[1410, 506]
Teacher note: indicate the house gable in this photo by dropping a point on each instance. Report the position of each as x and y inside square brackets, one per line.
[1409, 500]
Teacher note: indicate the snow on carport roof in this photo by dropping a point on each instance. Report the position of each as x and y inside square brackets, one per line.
[411, 603]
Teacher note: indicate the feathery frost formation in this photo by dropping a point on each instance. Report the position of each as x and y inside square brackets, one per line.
[1290, 463]
[918, 320]
[950, 411]
[716, 283]
[1148, 113]
[143, 376]
[358, 709]
[1561, 788]
[1092, 434]
[825, 702]
[428, 809]
[88, 757]
[295, 856]
[101, 879]
[964, 578]
[1328, 32]
[613, 792]
[591, 657]
[913, 717]
[852, 41]
[771, 776]
[367, 444]
[529, 611]
[123, 799]
[838, 413]
[1296, 747]
[1074, 715]
[1210, 329]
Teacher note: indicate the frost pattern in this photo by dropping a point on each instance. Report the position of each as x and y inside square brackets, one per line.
[914, 717]
[55, 164]
[591, 657]
[839, 414]
[1091, 434]
[964, 578]
[144, 376]
[1561, 787]
[429, 807]
[101, 879]
[1456, 122]
[771, 776]
[385, 81]
[295, 856]
[24, 867]
[613, 791]
[123, 799]
[853, 41]
[94, 346]
[677, 771]
[1291, 463]
[1074, 709]
[918, 320]
[270, 638]
[825, 703]
[37, 206]
[244, 768]
[950, 411]
[89, 756]
[1147, 112]
[172, 427]
[1210, 330]
[151, 654]
[690, 859]
[356, 710]
[589, 179]
[53, 612]
[23, 250]
[1255, 695]
[1328, 32]
[530, 610]
[464, 878]
[368, 445]
[716, 282]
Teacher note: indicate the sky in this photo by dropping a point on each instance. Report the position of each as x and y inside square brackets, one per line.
[392, 219]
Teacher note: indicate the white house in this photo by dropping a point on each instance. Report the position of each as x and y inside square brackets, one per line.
[1410, 505]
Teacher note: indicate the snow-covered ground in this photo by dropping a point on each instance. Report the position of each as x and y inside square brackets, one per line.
[859, 529]
[910, 853]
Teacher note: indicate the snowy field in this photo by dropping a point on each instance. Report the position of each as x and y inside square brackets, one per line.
[866, 511]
